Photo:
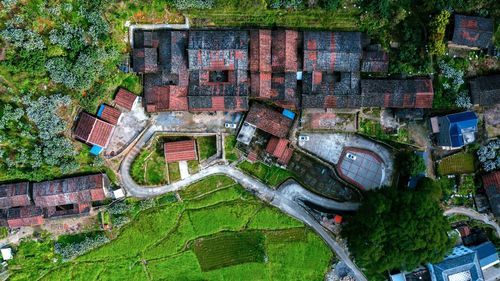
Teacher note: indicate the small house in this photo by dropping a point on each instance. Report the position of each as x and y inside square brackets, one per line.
[472, 32]
[94, 131]
[176, 151]
[109, 114]
[455, 130]
[485, 90]
[126, 99]
[14, 195]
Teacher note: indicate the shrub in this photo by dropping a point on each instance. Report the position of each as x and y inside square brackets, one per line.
[489, 155]
[438, 28]
[193, 4]
[74, 250]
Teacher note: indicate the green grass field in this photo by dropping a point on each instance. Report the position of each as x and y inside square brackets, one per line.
[226, 249]
[273, 175]
[149, 168]
[206, 147]
[218, 232]
[229, 147]
[460, 163]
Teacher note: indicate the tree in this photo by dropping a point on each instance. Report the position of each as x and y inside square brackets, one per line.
[398, 229]
[410, 164]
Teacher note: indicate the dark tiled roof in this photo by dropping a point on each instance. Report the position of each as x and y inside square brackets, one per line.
[330, 90]
[180, 151]
[93, 131]
[332, 51]
[269, 120]
[218, 49]
[375, 61]
[491, 183]
[75, 190]
[24, 216]
[473, 31]
[485, 90]
[14, 195]
[110, 114]
[125, 98]
[166, 89]
[409, 93]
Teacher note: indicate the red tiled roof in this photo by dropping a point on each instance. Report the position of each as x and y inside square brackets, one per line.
[252, 156]
[491, 183]
[14, 195]
[125, 99]
[110, 114]
[268, 120]
[75, 190]
[180, 151]
[278, 147]
[93, 131]
[24, 216]
[165, 98]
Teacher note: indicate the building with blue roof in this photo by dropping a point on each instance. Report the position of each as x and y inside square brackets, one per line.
[455, 130]
[461, 265]
[487, 254]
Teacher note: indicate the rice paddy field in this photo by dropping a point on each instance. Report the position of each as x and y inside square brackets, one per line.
[217, 231]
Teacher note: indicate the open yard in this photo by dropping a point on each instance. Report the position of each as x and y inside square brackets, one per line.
[459, 163]
[206, 147]
[218, 232]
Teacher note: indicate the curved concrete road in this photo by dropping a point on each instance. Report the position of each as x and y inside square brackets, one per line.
[473, 215]
[294, 191]
[262, 191]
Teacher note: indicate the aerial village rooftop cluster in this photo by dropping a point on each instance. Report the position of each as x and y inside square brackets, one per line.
[275, 77]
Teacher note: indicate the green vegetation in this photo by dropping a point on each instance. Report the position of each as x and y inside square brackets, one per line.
[230, 148]
[459, 163]
[386, 233]
[409, 163]
[206, 147]
[375, 130]
[466, 191]
[180, 240]
[227, 249]
[4, 232]
[174, 173]
[271, 175]
[149, 168]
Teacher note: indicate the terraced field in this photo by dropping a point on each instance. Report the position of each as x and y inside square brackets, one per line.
[218, 231]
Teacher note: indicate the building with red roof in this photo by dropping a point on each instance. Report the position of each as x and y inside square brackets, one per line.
[93, 131]
[180, 151]
[269, 120]
[14, 195]
[279, 148]
[125, 99]
[274, 63]
[109, 114]
[397, 93]
[70, 195]
[491, 184]
[22, 216]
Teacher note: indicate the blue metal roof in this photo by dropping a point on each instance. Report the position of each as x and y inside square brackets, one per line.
[289, 114]
[460, 260]
[101, 109]
[487, 253]
[459, 124]
[96, 150]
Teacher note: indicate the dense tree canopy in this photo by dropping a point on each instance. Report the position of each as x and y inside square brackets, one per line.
[398, 229]
[410, 164]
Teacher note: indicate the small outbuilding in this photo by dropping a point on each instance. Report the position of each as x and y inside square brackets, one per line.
[180, 151]
[485, 90]
[126, 99]
[491, 184]
[6, 254]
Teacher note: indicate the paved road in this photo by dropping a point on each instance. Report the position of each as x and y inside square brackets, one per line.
[294, 191]
[474, 215]
[262, 191]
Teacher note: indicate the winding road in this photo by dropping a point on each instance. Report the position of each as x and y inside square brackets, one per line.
[473, 215]
[282, 199]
